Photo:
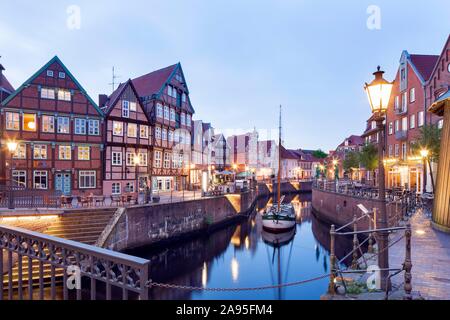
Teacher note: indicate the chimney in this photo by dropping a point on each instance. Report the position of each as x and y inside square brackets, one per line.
[102, 100]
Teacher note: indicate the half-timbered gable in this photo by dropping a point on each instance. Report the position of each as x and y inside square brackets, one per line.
[58, 129]
[165, 96]
[128, 139]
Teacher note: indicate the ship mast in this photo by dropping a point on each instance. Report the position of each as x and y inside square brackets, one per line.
[279, 164]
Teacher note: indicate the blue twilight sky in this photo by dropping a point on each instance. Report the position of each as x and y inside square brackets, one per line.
[241, 58]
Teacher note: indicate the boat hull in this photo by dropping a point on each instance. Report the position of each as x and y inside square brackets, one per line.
[277, 225]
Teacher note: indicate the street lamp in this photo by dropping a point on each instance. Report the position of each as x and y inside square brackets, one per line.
[424, 154]
[12, 147]
[378, 93]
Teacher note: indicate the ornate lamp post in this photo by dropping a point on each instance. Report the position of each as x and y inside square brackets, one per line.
[378, 92]
[424, 154]
[12, 147]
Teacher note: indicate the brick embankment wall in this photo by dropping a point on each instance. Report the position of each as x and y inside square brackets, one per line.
[145, 225]
[339, 209]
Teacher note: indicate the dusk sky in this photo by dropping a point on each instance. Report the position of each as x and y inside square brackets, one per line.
[241, 58]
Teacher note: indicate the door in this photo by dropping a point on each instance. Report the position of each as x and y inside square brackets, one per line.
[62, 183]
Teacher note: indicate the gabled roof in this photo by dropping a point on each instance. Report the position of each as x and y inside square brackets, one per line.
[68, 73]
[443, 54]
[289, 154]
[424, 64]
[353, 140]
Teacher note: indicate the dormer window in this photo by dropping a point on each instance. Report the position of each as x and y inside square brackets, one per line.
[50, 73]
[61, 75]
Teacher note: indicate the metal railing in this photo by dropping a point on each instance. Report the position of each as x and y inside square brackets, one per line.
[357, 251]
[55, 258]
[20, 197]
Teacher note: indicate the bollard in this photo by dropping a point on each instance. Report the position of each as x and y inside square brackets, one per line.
[331, 285]
[407, 265]
[355, 245]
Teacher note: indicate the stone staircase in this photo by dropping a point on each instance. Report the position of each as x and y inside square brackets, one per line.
[82, 225]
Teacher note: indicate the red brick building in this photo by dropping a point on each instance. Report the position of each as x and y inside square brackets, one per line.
[6, 89]
[58, 128]
[128, 142]
[165, 97]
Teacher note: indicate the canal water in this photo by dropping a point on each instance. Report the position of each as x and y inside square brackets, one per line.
[244, 255]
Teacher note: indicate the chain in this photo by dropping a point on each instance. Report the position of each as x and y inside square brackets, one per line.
[150, 283]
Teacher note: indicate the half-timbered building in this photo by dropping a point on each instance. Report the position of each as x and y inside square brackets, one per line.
[165, 96]
[58, 131]
[128, 141]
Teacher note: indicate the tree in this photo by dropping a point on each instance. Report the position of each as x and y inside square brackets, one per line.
[429, 139]
[368, 158]
[350, 162]
[319, 154]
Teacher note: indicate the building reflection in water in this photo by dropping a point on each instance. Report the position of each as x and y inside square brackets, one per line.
[192, 262]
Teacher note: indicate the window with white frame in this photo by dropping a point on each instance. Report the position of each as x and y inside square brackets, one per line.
[84, 153]
[420, 119]
[132, 130]
[412, 121]
[159, 110]
[158, 133]
[118, 128]
[63, 124]
[125, 109]
[116, 158]
[61, 75]
[40, 151]
[50, 73]
[48, 124]
[157, 159]
[174, 160]
[397, 125]
[405, 123]
[64, 152]
[87, 179]
[391, 128]
[21, 151]
[183, 118]
[40, 179]
[412, 95]
[19, 178]
[64, 95]
[12, 120]
[166, 160]
[133, 106]
[172, 115]
[405, 101]
[143, 159]
[115, 188]
[80, 126]
[93, 127]
[47, 93]
[166, 112]
[164, 134]
[143, 131]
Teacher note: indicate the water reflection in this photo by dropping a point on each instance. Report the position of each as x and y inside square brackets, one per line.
[246, 256]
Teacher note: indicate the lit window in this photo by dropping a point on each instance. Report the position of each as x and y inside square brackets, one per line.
[93, 127]
[80, 126]
[12, 121]
[83, 153]
[132, 130]
[50, 73]
[130, 159]
[420, 119]
[117, 128]
[125, 109]
[40, 179]
[48, 123]
[115, 188]
[61, 75]
[143, 158]
[143, 131]
[47, 93]
[87, 179]
[64, 95]
[40, 151]
[21, 151]
[63, 125]
[132, 106]
[65, 152]
[19, 178]
[29, 122]
[116, 158]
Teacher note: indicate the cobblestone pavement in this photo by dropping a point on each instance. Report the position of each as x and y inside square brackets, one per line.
[430, 259]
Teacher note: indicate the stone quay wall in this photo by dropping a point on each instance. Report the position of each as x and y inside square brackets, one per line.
[267, 189]
[339, 209]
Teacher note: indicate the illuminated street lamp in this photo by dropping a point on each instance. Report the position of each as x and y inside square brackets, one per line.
[378, 93]
[12, 147]
[424, 154]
